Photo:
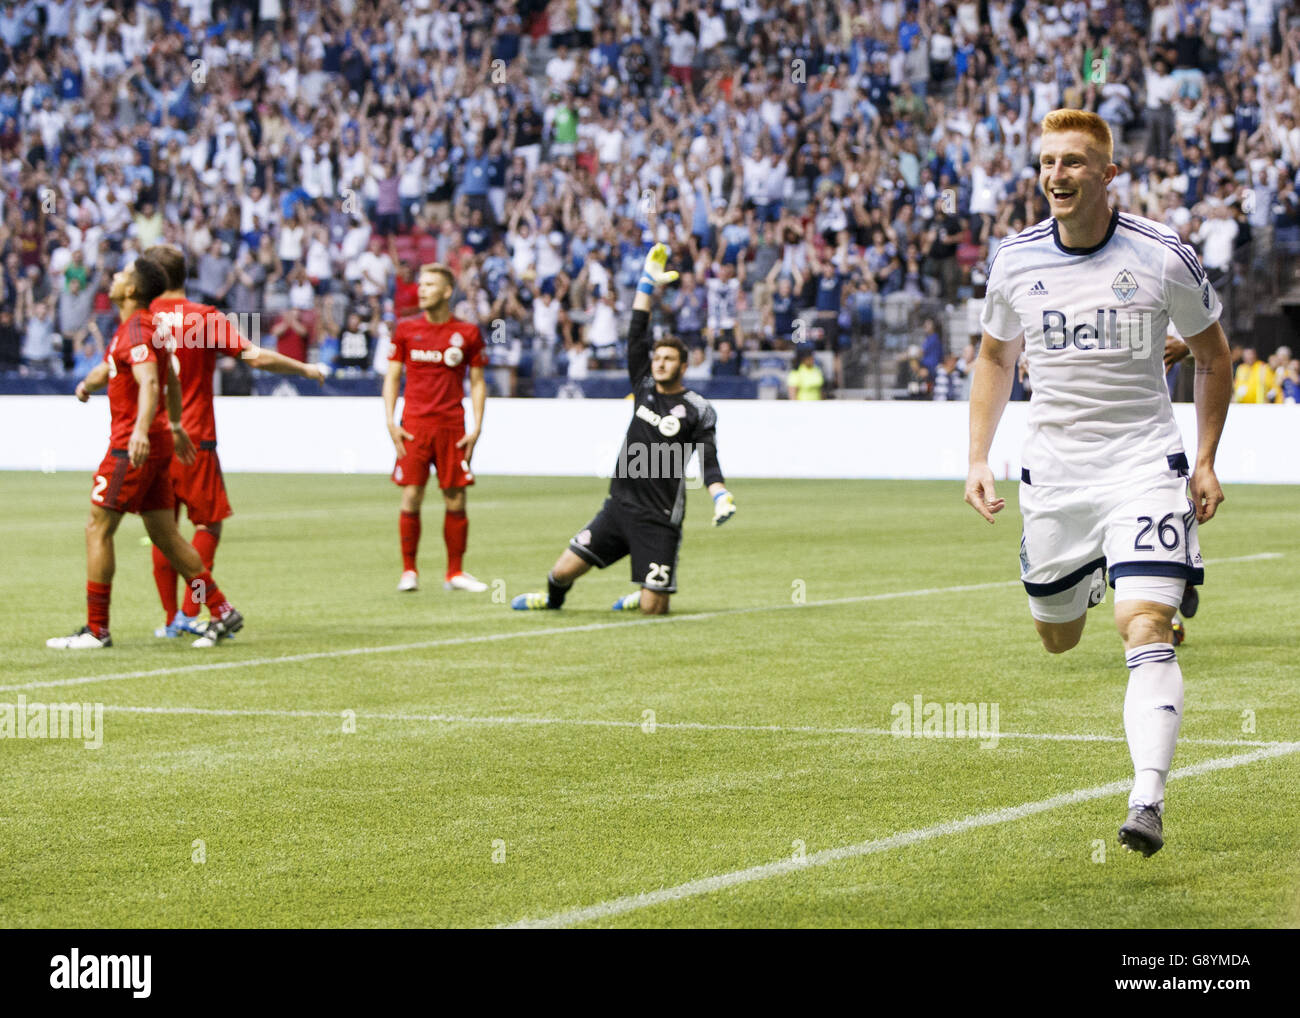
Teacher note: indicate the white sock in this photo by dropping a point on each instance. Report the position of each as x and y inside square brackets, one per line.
[1153, 712]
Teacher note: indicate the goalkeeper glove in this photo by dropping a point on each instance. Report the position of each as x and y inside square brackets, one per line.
[653, 273]
[724, 507]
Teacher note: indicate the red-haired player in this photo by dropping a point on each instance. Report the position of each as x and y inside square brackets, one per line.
[133, 477]
[434, 349]
[200, 334]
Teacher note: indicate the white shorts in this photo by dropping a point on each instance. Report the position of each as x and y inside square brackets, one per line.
[1072, 533]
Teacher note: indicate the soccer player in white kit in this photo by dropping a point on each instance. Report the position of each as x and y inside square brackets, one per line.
[1105, 479]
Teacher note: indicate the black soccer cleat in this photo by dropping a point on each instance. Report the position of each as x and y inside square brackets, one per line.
[220, 629]
[1191, 601]
[1143, 831]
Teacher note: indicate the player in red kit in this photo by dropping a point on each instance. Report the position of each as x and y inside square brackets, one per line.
[200, 334]
[434, 349]
[134, 475]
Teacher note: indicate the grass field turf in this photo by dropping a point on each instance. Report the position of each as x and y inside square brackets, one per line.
[397, 823]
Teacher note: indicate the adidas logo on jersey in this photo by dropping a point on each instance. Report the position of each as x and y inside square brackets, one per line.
[1038, 290]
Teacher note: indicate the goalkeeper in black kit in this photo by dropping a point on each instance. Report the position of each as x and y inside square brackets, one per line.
[642, 517]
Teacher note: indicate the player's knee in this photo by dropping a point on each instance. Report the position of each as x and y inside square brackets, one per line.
[455, 499]
[99, 525]
[1057, 639]
[1141, 625]
[1057, 643]
[412, 498]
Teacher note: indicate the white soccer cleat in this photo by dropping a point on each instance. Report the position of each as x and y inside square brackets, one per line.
[82, 639]
[410, 580]
[463, 581]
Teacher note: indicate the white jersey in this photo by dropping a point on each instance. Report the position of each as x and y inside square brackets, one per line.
[1094, 321]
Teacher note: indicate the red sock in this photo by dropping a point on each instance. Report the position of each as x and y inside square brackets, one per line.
[97, 598]
[455, 532]
[410, 529]
[205, 543]
[164, 578]
[205, 588]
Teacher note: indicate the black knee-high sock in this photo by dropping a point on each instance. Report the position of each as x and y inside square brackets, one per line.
[555, 592]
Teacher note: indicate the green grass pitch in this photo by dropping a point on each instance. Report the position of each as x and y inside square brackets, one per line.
[505, 767]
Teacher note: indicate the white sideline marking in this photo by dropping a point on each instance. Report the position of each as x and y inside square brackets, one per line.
[694, 726]
[534, 633]
[708, 885]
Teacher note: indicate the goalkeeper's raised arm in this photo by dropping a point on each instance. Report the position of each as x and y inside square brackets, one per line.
[653, 275]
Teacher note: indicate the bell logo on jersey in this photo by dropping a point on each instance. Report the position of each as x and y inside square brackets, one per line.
[1110, 329]
[139, 354]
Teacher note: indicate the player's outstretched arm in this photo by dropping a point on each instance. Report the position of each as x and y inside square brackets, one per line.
[653, 275]
[1213, 393]
[989, 391]
[279, 364]
[93, 382]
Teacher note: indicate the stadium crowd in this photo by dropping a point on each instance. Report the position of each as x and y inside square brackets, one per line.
[822, 171]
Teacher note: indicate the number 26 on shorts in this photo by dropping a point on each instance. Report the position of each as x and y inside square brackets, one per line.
[1165, 532]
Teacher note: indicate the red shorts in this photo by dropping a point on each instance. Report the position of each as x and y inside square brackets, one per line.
[201, 488]
[126, 489]
[433, 447]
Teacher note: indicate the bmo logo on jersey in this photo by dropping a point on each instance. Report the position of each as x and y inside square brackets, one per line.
[452, 356]
[1104, 329]
[668, 425]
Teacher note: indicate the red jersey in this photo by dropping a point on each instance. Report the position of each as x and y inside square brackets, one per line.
[435, 357]
[200, 334]
[133, 344]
